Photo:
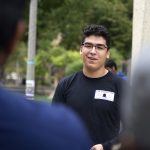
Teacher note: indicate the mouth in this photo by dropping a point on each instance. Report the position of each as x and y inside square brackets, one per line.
[91, 58]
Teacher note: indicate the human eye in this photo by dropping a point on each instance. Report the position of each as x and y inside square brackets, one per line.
[100, 47]
[87, 45]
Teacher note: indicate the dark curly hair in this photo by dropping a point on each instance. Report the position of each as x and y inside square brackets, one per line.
[97, 30]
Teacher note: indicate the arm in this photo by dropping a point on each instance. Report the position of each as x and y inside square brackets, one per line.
[107, 145]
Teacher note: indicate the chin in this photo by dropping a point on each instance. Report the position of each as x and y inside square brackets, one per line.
[91, 67]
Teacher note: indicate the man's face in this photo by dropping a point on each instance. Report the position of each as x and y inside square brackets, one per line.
[94, 52]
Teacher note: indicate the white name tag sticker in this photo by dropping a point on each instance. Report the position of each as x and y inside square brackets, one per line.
[105, 95]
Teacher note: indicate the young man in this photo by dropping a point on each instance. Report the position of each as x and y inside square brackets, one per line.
[31, 125]
[94, 93]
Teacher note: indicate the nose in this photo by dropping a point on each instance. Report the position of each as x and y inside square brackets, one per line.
[93, 50]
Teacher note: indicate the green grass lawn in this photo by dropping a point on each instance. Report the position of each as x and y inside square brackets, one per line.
[43, 98]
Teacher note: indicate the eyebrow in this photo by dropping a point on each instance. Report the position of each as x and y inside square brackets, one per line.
[95, 44]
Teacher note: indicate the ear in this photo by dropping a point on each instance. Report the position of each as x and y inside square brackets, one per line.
[80, 50]
[108, 54]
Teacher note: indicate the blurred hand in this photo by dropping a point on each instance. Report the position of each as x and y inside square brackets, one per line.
[97, 147]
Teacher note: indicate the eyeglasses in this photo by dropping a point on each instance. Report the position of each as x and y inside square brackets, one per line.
[98, 47]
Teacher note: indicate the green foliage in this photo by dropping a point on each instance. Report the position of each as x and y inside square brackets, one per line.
[57, 59]
[113, 14]
[17, 61]
[74, 62]
[58, 56]
[116, 56]
[68, 17]
[73, 67]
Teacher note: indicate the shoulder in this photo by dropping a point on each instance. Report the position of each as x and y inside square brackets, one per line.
[33, 120]
[66, 118]
[114, 77]
[11, 98]
[118, 82]
[66, 81]
[64, 123]
[14, 103]
[71, 77]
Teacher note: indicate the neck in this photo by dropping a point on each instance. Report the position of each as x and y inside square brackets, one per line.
[95, 74]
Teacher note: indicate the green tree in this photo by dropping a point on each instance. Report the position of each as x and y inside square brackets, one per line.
[17, 61]
[69, 17]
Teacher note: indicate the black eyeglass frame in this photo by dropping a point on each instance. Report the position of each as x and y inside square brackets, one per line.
[90, 46]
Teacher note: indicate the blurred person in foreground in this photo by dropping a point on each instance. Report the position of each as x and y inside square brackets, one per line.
[94, 93]
[136, 106]
[26, 124]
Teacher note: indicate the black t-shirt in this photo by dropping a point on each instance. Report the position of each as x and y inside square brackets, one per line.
[97, 101]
